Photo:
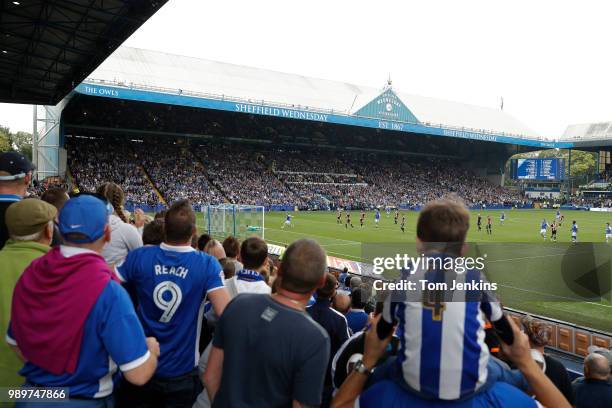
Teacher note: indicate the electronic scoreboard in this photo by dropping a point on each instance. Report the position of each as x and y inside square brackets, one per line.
[538, 169]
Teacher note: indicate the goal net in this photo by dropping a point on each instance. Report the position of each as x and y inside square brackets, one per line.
[240, 221]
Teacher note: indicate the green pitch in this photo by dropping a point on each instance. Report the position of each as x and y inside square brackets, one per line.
[526, 268]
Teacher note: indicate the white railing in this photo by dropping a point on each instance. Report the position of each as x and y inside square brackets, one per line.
[311, 173]
[315, 183]
[586, 137]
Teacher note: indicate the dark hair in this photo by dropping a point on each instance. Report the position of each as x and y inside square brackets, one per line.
[329, 287]
[347, 281]
[231, 246]
[114, 194]
[160, 215]
[536, 331]
[229, 267]
[180, 222]
[304, 264]
[153, 233]
[253, 252]
[56, 196]
[203, 240]
[358, 298]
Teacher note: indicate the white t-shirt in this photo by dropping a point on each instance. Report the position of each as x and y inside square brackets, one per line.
[124, 238]
[236, 286]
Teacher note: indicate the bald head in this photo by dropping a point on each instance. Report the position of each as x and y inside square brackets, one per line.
[596, 367]
[355, 282]
[342, 303]
[303, 266]
[214, 248]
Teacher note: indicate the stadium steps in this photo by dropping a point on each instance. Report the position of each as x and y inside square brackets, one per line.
[153, 186]
[210, 179]
[287, 186]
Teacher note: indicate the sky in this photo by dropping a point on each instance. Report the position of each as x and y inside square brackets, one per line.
[549, 60]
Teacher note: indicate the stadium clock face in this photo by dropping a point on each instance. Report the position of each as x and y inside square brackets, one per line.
[389, 107]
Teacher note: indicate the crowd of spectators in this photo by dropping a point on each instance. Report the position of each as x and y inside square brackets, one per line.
[93, 162]
[176, 173]
[242, 176]
[214, 173]
[596, 200]
[275, 333]
[316, 178]
[318, 160]
[414, 181]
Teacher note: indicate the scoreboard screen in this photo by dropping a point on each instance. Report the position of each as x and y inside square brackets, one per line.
[538, 169]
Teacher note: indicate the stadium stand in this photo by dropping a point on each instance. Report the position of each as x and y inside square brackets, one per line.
[241, 174]
[211, 173]
[95, 161]
[176, 173]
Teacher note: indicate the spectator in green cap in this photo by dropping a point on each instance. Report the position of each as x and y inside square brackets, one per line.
[30, 228]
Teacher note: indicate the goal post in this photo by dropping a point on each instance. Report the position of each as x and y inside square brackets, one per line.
[238, 220]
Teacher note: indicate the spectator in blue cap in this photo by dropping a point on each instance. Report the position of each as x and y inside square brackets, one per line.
[15, 177]
[70, 316]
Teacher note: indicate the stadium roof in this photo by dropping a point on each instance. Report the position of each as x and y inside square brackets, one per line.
[151, 76]
[600, 130]
[589, 134]
[48, 47]
[157, 69]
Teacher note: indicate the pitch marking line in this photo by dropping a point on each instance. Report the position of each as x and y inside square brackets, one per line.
[313, 235]
[347, 244]
[552, 295]
[534, 257]
[506, 286]
[353, 257]
[369, 230]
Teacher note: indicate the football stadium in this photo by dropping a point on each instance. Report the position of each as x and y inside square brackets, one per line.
[183, 203]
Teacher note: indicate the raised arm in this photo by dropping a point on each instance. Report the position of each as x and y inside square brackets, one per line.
[545, 391]
[354, 383]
